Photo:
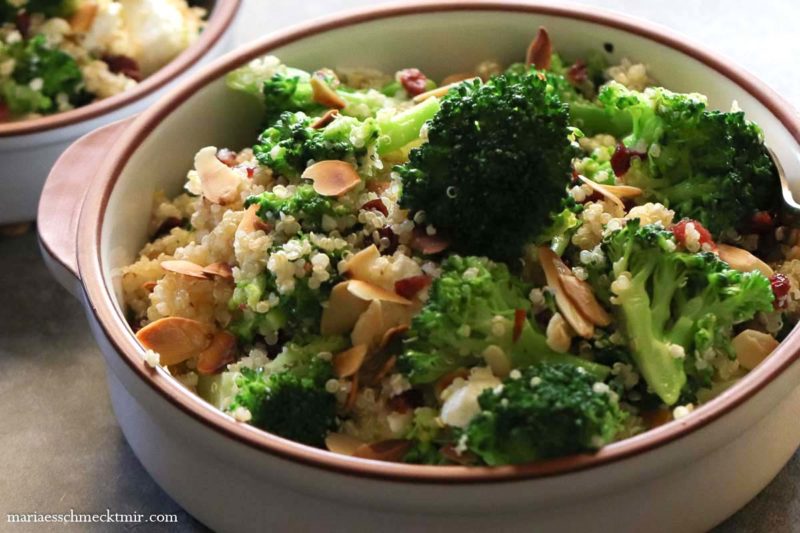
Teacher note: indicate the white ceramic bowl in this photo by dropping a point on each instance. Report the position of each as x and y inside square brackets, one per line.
[29, 148]
[685, 476]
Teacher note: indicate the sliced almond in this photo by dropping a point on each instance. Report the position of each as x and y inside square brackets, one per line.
[325, 95]
[369, 327]
[391, 333]
[219, 353]
[457, 78]
[342, 311]
[580, 293]
[359, 265]
[440, 91]
[175, 339]
[342, 444]
[352, 395]
[332, 178]
[579, 323]
[614, 193]
[219, 183]
[742, 260]
[185, 268]
[252, 222]
[752, 347]
[387, 367]
[540, 51]
[218, 270]
[559, 334]
[348, 362]
[83, 17]
[428, 244]
[368, 292]
[325, 119]
[392, 450]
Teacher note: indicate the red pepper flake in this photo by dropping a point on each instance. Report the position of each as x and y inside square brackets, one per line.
[679, 230]
[577, 73]
[376, 205]
[251, 171]
[127, 66]
[780, 288]
[621, 160]
[413, 81]
[762, 222]
[409, 287]
[519, 322]
[226, 156]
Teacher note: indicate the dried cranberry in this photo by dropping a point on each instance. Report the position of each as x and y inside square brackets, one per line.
[387, 233]
[227, 156]
[621, 160]
[376, 205]
[762, 222]
[410, 287]
[679, 230]
[577, 73]
[413, 81]
[780, 288]
[127, 66]
[23, 23]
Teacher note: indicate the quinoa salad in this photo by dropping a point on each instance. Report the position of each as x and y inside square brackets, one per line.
[56, 55]
[520, 262]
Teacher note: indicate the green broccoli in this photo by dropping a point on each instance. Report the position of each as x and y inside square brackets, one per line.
[425, 436]
[550, 410]
[49, 8]
[706, 165]
[288, 396]
[476, 178]
[562, 226]
[675, 308]
[474, 306]
[55, 72]
[305, 205]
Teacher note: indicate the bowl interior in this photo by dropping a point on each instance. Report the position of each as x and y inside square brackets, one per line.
[439, 43]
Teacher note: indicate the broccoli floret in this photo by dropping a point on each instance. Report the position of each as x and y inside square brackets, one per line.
[476, 308]
[49, 8]
[288, 397]
[36, 60]
[425, 436]
[706, 165]
[550, 411]
[675, 307]
[304, 204]
[476, 177]
[562, 226]
[290, 143]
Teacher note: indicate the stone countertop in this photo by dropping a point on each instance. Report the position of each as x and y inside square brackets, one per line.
[60, 446]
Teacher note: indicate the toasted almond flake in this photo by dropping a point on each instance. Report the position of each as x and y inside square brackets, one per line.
[752, 347]
[185, 268]
[385, 369]
[342, 311]
[332, 178]
[579, 323]
[175, 339]
[219, 353]
[742, 260]
[348, 362]
[458, 77]
[325, 119]
[391, 333]
[369, 327]
[359, 265]
[440, 91]
[584, 299]
[352, 395]
[252, 222]
[428, 244]
[218, 270]
[559, 334]
[219, 183]
[540, 51]
[392, 450]
[369, 292]
[342, 444]
[83, 17]
[614, 193]
[378, 187]
[323, 93]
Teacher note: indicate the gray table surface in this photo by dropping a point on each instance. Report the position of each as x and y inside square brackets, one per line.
[60, 446]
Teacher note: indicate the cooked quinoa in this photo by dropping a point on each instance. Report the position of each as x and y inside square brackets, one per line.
[56, 55]
[307, 296]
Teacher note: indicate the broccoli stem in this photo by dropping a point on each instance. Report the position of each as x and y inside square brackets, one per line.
[531, 348]
[592, 119]
[405, 127]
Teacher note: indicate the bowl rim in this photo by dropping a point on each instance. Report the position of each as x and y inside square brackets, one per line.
[117, 332]
[219, 20]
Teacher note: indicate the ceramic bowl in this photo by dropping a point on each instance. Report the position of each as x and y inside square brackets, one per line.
[687, 475]
[29, 148]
